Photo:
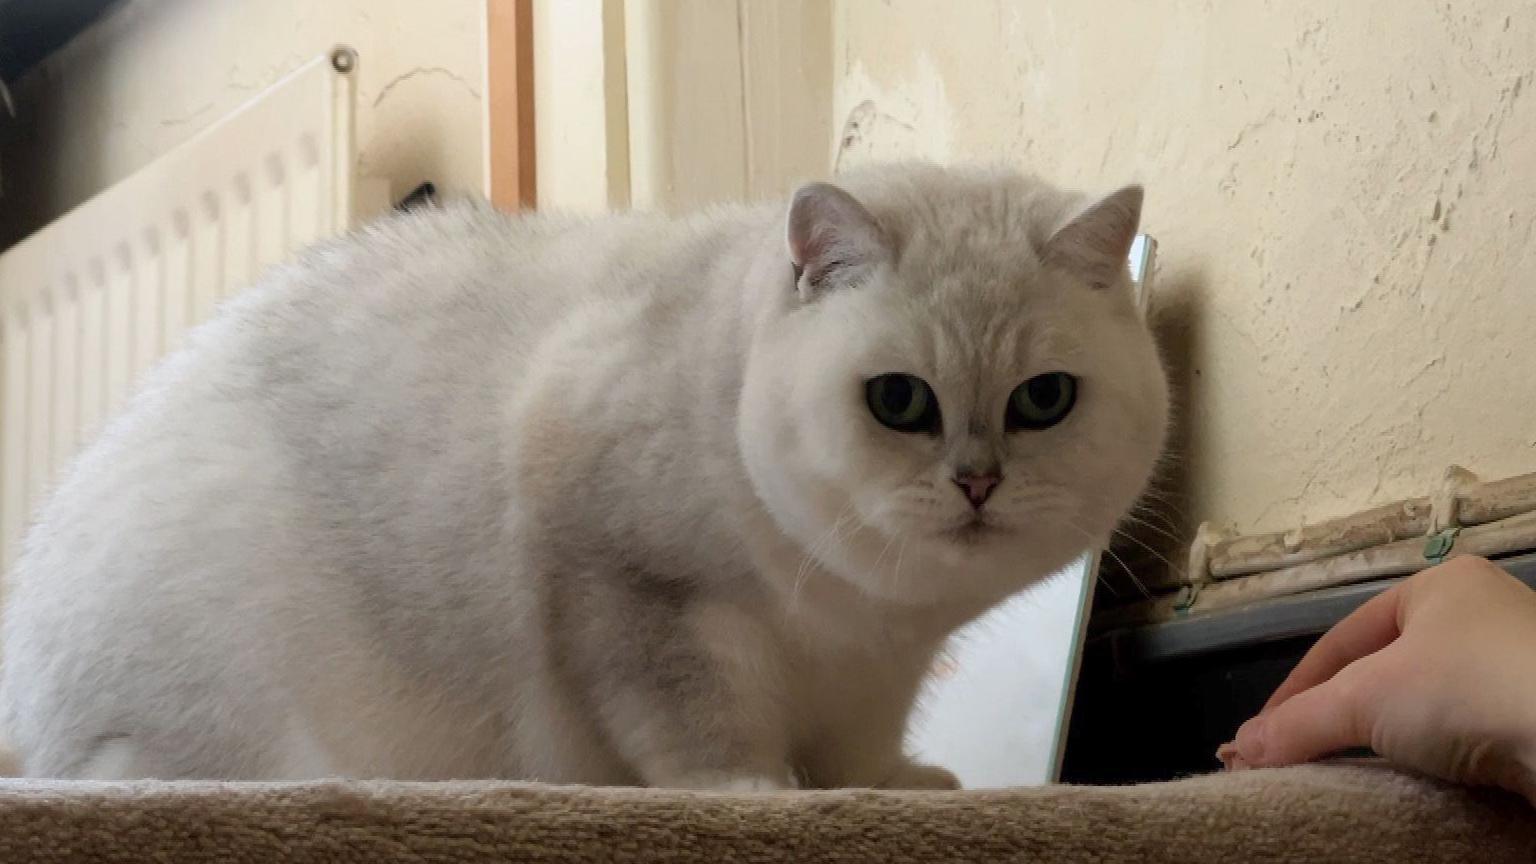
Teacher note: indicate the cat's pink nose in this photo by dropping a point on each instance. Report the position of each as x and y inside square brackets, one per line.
[977, 487]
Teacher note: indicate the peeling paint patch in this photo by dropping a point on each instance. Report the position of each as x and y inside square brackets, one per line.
[910, 117]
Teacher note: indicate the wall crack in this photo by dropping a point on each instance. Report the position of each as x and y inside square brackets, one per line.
[422, 72]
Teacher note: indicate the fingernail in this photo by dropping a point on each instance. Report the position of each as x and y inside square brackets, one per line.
[1250, 740]
[1227, 755]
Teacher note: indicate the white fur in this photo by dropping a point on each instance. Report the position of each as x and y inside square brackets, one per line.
[465, 495]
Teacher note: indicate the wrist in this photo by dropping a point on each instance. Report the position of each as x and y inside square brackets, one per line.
[1524, 781]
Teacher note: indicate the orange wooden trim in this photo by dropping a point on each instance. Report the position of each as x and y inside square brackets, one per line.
[509, 82]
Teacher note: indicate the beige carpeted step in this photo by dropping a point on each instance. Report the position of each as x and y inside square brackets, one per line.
[1319, 813]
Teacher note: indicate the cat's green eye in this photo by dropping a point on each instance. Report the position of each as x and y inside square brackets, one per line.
[1042, 401]
[903, 402]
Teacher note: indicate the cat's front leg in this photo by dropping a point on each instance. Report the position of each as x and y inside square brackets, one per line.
[919, 775]
[861, 705]
[710, 714]
[847, 764]
[870, 755]
[688, 691]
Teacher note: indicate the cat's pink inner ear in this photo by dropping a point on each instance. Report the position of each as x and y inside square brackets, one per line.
[830, 235]
[1096, 242]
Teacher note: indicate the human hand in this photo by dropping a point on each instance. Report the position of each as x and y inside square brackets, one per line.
[1437, 674]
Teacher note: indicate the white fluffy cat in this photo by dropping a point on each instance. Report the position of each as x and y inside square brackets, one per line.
[629, 500]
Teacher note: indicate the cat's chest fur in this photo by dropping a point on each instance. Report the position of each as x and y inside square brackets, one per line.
[624, 457]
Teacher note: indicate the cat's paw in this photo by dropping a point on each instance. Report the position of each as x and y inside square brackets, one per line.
[724, 781]
[752, 784]
[916, 775]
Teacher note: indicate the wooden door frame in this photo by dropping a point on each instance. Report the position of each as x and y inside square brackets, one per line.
[510, 156]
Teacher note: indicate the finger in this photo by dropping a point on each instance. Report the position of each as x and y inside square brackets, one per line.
[1364, 631]
[1334, 715]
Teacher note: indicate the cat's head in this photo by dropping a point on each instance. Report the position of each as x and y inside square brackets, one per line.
[951, 391]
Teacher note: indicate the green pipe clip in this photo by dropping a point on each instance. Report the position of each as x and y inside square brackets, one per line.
[1437, 546]
[1186, 598]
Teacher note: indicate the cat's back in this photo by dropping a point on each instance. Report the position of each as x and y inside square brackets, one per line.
[318, 384]
[393, 348]
[463, 270]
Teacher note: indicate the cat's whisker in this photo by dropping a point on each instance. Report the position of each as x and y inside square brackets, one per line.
[1165, 531]
[1108, 586]
[1166, 520]
[1153, 552]
[1130, 574]
[1142, 510]
[1149, 498]
[1156, 497]
[875, 567]
[810, 560]
[900, 551]
[812, 557]
[1133, 519]
[1118, 560]
[1155, 492]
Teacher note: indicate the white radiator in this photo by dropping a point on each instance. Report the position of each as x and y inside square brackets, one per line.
[92, 300]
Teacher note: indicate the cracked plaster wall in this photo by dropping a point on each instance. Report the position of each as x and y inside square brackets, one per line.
[152, 73]
[1345, 194]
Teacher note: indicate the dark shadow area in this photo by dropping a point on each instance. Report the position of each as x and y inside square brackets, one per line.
[32, 29]
[1136, 722]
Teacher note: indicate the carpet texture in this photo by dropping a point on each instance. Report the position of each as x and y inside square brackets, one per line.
[1316, 813]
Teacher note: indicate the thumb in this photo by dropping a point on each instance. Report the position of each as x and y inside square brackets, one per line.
[1334, 715]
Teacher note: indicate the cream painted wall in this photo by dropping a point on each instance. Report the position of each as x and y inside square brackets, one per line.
[1345, 195]
[676, 104]
[153, 72]
[580, 111]
[726, 101]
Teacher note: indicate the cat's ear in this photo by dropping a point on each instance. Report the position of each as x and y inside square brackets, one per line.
[1096, 242]
[832, 238]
